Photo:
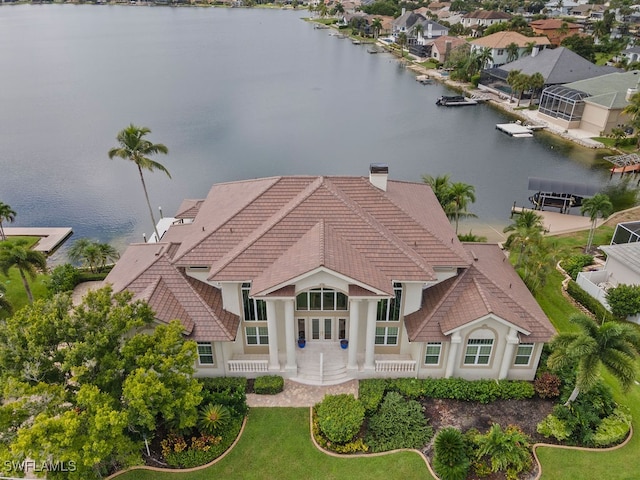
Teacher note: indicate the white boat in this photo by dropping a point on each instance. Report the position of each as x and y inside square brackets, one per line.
[455, 101]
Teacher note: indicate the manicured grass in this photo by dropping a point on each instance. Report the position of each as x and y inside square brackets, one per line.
[276, 444]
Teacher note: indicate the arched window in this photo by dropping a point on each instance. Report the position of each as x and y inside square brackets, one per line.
[321, 299]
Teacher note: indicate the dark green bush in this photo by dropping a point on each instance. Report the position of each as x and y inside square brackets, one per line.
[370, 393]
[340, 417]
[588, 302]
[508, 450]
[268, 385]
[624, 300]
[63, 278]
[227, 391]
[575, 263]
[399, 423]
[450, 459]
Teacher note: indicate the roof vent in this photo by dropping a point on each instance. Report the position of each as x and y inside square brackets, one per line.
[378, 174]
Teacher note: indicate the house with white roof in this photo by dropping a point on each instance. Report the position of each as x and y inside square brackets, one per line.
[323, 279]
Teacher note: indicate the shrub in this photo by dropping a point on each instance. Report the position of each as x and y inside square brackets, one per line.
[227, 391]
[614, 428]
[552, 426]
[575, 263]
[590, 303]
[63, 278]
[356, 446]
[399, 423]
[547, 385]
[508, 449]
[214, 418]
[268, 385]
[370, 393]
[624, 300]
[340, 417]
[450, 460]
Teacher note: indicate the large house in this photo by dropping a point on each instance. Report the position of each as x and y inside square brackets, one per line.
[324, 279]
[554, 29]
[480, 19]
[498, 43]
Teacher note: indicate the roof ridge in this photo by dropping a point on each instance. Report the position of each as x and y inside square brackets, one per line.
[436, 308]
[161, 254]
[205, 304]
[323, 257]
[381, 228]
[267, 225]
[483, 295]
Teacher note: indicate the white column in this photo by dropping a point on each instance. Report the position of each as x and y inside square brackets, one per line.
[354, 317]
[274, 363]
[290, 336]
[369, 347]
[507, 358]
[452, 358]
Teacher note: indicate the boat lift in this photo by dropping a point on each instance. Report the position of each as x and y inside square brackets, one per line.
[559, 194]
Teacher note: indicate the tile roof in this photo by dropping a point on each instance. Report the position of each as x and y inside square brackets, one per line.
[441, 42]
[502, 39]
[489, 286]
[488, 15]
[552, 24]
[608, 90]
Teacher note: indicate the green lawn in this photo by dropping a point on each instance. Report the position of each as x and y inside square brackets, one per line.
[276, 444]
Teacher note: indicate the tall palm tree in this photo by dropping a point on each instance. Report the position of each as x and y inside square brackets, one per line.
[461, 195]
[536, 82]
[614, 345]
[528, 48]
[6, 214]
[106, 254]
[134, 147]
[418, 30]
[485, 57]
[376, 25]
[402, 41]
[528, 223]
[512, 81]
[4, 303]
[598, 205]
[27, 261]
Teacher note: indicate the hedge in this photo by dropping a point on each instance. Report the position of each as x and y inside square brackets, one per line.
[588, 302]
[483, 391]
[268, 385]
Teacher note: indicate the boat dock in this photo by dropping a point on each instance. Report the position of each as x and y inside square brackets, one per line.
[515, 130]
[50, 238]
[455, 101]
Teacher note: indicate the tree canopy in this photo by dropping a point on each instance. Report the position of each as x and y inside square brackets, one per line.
[81, 386]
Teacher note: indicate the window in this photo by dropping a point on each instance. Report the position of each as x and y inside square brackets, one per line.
[500, 52]
[257, 335]
[389, 309]
[523, 354]
[386, 336]
[432, 353]
[478, 351]
[205, 354]
[321, 299]
[254, 310]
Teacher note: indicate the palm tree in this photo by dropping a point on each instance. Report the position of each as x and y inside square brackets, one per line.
[4, 303]
[441, 186]
[598, 205]
[418, 29]
[536, 82]
[6, 213]
[322, 9]
[27, 261]
[106, 254]
[528, 223]
[512, 81]
[614, 345]
[461, 195]
[376, 25]
[134, 147]
[402, 41]
[528, 48]
[485, 57]
[633, 110]
[513, 52]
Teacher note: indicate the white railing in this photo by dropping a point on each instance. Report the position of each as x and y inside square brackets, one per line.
[248, 366]
[395, 365]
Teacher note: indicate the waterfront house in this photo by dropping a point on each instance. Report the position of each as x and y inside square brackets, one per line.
[325, 279]
[594, 105]
[622, 266]
[442, 47]
[481, 19]
[499, 41]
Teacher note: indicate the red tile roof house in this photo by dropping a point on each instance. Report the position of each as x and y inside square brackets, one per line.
[259, 264]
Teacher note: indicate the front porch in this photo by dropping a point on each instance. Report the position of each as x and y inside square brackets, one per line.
[323, 363]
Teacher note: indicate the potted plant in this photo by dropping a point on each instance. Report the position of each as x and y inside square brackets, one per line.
[301, 341]
[344, 343]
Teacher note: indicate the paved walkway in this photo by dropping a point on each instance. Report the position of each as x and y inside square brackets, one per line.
[299, 395]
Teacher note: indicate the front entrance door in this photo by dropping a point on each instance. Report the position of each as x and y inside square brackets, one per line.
[322, 329]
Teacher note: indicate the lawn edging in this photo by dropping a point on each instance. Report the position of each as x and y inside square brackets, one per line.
[361, 455]
[184, 470]
[570, 447]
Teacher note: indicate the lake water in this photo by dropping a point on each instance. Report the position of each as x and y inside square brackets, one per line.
[234, 94]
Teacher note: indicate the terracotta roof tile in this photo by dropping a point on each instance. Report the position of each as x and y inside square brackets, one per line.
[502, 39]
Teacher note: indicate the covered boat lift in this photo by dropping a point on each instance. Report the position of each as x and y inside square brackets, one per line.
[559, 194]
